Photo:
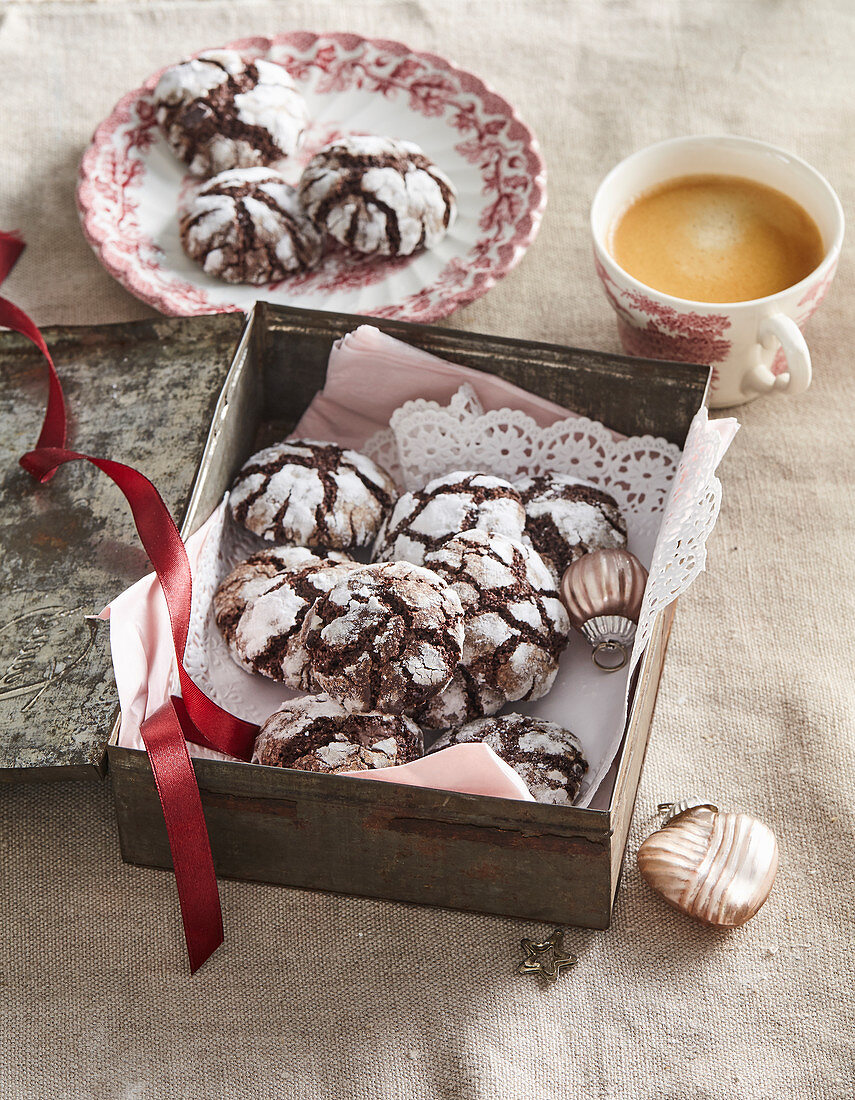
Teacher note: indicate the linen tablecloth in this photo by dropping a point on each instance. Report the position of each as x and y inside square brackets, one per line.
[330, 997]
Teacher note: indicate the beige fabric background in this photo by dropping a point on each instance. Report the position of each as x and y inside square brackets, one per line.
[316, 996]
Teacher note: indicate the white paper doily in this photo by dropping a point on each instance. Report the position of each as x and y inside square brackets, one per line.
[425, 440]
[690, 513]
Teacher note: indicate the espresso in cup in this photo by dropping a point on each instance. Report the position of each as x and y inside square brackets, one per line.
[716, 238]
[764, 233]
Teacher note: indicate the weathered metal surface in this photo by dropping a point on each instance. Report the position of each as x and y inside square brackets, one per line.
[141, 393]
[345, 835]
[352, 836]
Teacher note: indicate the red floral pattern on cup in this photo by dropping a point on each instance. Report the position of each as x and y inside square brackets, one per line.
[809, 302]
[685, 337]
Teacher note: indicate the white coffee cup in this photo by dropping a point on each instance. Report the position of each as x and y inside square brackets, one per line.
[754, 347]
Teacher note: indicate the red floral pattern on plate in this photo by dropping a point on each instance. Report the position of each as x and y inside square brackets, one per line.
[505, 216]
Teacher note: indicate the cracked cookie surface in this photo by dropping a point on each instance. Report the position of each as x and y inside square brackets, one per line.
[422, 521]
[247, 226]
[548, 757]
[462, 700]
[315, 733]
[387, 637]
[219, 111]
[378, 196]
[515, 625]
[566, 518]
[260, 607]
[312, 494]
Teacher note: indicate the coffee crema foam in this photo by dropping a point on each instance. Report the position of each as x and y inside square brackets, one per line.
[714, 238]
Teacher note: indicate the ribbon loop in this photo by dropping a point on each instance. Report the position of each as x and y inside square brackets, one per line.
[193, 717]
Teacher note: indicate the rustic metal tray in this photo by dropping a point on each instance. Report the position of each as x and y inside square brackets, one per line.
[70, 546]
[412, 844]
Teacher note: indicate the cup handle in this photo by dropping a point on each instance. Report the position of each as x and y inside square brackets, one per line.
[796, 378]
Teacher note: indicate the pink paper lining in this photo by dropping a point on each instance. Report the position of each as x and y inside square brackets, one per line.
[370, 375]
[474, 769]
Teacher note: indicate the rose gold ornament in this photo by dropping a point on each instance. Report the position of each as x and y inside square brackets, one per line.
[716, 867]
[602, 592]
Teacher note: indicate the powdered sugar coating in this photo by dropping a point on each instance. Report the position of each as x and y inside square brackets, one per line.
[566, 518]
[460, 501]
[314, 494]
[547, 757]
[386, 637]
[260, 607]
[315, 733]
[219, 111]
[462, 700]
[515, 625]
[247, 226]
[253, 576]
[378, 195]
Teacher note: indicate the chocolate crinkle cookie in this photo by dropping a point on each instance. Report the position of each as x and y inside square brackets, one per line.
[422, 521]
[220, 111]
[260, 607]
[547, 757]
[566, 518]
[386, 637]
[247, 226]
[515, 626]
[312, 494]
[377, 195]
[316, 734]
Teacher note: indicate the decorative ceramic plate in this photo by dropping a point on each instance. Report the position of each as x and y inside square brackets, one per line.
[130, 184]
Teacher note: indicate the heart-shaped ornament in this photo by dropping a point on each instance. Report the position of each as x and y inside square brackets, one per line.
[716, 867]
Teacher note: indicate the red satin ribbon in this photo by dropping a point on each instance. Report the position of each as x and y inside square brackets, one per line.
[11, 247]
[193, 717]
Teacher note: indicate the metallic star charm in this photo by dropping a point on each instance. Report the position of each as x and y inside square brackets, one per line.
[546, 958]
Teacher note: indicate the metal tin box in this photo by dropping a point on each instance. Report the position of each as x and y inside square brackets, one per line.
[326, 832]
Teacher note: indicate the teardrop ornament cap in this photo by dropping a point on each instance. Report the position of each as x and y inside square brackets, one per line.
[673, 810]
